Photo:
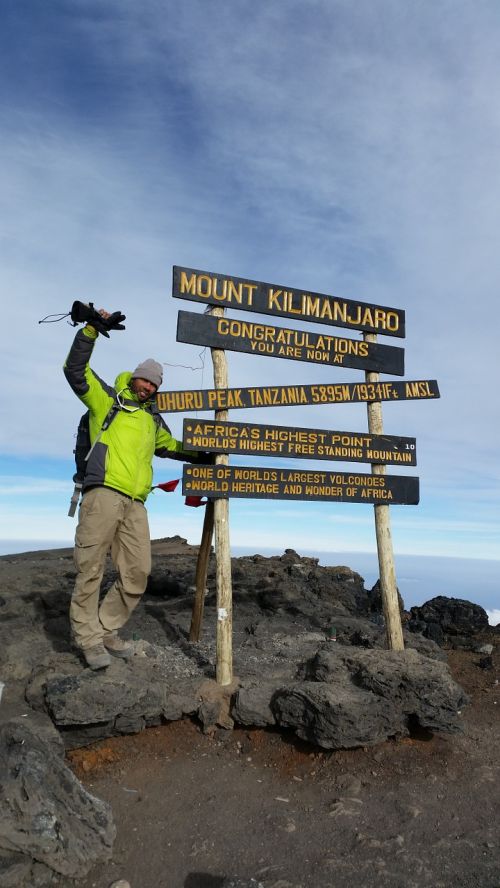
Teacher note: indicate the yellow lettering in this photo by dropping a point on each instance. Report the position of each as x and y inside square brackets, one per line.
[412, 389]
[273, 299]
[233, 290]
[203, 280]
[311, 306]
[188, 286]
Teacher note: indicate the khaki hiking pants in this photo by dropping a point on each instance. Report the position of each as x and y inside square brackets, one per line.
[108, 519]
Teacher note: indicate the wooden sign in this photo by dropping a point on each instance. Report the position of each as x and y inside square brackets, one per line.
[299, 443]
[185, 401]
[255, 482]
[282, 342]
[285, 302]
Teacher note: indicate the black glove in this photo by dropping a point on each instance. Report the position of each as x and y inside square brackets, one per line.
[114, 322]
[82, 313]
[198, 456]
[191, 456]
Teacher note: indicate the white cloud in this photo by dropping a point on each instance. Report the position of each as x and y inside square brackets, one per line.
[32, 486]
[494, 616]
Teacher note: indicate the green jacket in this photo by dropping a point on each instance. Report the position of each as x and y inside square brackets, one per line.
[123, 455]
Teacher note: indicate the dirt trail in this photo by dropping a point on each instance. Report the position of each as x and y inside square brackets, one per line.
[192, 808]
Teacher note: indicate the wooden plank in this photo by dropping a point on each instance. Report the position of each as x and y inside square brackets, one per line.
[224, 588]
[210, 288]
[299, 443]
[200, 579]
[184, 401]
[387, 569]
[256, 482]
[283, 342]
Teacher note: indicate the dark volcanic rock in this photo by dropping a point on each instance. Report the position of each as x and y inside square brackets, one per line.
[15, 869]
[336, 715]
[241, 883]
[47, 816]
[289, 583]
[418, 688]
[290, 673]
[252, 705]
[165, 583]
[21, 871]
[364, 697]
[375, 599]
[286, 609]
[123, 699]
[448, 619]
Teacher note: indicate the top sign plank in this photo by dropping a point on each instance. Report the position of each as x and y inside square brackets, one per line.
[285, 302]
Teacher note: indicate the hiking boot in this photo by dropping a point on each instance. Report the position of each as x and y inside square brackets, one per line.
[97, 656]
[117, 647]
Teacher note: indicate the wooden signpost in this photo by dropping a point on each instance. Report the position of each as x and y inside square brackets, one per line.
[224, 640]
[285, 302]
[387, 570]
[286, 342]
[185, 401]
[256, 482]
[300, 443]
[221, 481]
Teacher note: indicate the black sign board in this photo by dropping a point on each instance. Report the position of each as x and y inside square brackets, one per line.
[285, 302]
[282, 342]
[254, 482]
[185, 401]
[299, 443]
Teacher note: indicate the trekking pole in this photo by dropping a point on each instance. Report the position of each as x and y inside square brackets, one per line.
[74, 500]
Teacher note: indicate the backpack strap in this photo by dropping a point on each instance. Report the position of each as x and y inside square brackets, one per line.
[108, 419]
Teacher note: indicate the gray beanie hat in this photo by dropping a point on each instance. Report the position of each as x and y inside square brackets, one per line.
[150, 370]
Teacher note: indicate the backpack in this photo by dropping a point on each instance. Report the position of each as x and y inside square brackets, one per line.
[83, 449]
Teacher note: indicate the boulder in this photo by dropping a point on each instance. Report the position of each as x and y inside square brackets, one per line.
[448, 620]
[21, 871]
[252, 705]
[364, 697]
[47, 817]
[122, 699]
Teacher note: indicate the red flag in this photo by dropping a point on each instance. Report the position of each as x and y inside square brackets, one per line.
[168, 486]
[195, 501]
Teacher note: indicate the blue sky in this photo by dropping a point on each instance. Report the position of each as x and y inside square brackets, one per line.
[347, 148]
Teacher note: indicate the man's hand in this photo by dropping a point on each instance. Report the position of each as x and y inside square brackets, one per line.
[203, 457]
[114, 321]
[102, 321]
[99, 321]
[110, 321]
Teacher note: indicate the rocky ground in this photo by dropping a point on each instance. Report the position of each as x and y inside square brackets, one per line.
[330, 763]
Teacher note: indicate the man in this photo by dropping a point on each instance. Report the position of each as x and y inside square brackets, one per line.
[117, 482]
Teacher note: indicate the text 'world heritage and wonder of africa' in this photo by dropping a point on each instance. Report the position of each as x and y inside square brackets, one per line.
[262, 483]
